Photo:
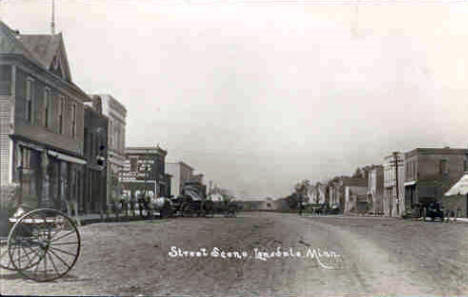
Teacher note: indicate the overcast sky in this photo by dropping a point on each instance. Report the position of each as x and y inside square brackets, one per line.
[259, 95]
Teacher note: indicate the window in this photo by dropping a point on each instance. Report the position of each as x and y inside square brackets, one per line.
[73, 120]
[29, 100]
[117, 138]
[111, 133]
[86, 140]
[133, 164]
[443, 167]
[24, 157]
[465, 163]
[46, 107]
[61, 110]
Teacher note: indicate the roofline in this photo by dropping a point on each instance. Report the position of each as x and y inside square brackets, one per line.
[145, 149]
[52, 76]
[441, 151]
[182, 163]
[112, 98]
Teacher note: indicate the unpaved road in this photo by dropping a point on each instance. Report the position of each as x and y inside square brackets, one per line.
[377, 256]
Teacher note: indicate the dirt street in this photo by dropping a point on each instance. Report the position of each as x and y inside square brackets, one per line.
[338, 256]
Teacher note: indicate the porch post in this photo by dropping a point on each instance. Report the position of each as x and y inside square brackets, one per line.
[45, 200]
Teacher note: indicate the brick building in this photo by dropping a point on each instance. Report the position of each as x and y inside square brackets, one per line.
[144, 172]
[430, 172]
[117, 114]
[42, 120]
[95, 149]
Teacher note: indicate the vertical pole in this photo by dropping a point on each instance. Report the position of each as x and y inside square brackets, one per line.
[395, 156]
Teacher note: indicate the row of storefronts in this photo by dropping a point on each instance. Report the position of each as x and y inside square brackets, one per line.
[55, 138]
[404, 183]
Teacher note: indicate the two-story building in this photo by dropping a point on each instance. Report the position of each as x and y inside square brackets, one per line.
[144, 172]
[375, 190]
[42, 120]
[117, 114]
[430, 172]
[181, 172]
[355, 195]
[322, 193]
[334, 193]
[95, 151]
[312, 195]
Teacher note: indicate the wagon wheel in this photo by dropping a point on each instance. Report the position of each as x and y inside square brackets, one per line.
[166, 211]
[230, 211]
[209, 208]
[5, 260]
[188, 210]
[4, 257]
[44, 244]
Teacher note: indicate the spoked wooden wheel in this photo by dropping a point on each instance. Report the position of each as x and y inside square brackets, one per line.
[188, 210]
[4, 256]
[44, 244]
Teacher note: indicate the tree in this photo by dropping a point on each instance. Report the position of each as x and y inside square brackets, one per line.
[358, 173]
[225, 194]
[293, 201]
[301, 189]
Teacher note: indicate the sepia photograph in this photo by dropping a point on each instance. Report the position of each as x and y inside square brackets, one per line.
[233, 148]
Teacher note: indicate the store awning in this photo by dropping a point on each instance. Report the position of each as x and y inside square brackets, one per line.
[460, 187]
[67, 158]
[411, 183]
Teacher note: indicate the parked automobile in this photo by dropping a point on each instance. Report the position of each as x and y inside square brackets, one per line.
[335, 209]
[433, 210]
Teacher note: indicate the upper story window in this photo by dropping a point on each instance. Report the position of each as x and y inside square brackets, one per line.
[133, 164]
[111, 134]
[29, 100]
[443, 167]
[61, 111]
[46, 107]
[116, 137]
[73, 114]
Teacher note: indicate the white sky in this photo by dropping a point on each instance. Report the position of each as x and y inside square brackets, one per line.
[258, 95]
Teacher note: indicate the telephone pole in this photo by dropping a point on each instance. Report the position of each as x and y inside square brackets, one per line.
[396, 160]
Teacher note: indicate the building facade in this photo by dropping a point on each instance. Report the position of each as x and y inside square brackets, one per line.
[144, 172]
[313, 194]
[42, 120]
[322, 193]
[355, 195]
[430, 172]
[95, 152]
[181, 172]
[376, 189]
[334, 193]
[117, 114]
[394, 189]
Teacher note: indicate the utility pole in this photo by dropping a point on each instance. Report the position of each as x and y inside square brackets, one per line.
[396, 160]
